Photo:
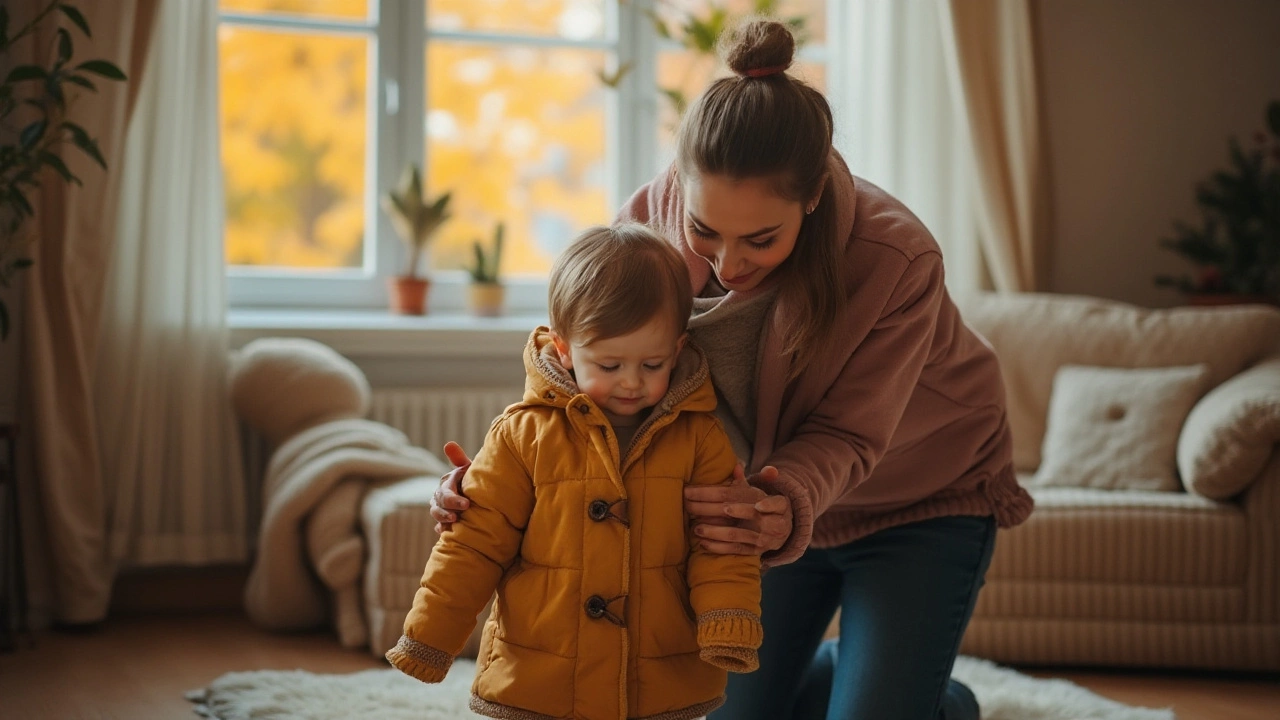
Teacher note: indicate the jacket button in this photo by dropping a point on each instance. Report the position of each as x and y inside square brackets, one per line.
[595, 606]
[598, 510]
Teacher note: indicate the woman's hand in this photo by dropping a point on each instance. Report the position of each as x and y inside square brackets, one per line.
[736, 518]
[447, 500]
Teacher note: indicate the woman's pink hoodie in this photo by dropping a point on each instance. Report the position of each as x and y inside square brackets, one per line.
[902, 416]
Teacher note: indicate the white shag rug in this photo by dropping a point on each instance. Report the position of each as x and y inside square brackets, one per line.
[388, 694]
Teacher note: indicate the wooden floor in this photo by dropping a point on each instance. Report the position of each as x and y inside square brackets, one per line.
[137, 668]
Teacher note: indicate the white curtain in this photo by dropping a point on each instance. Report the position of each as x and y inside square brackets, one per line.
[895, 125]
[175, 491]
[991, 56]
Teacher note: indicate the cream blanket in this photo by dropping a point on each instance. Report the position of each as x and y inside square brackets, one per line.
[310, 552]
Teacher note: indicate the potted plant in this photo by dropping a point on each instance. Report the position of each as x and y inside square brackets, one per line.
[416, 219]
[486, 293]
[35, 128]
[1236, 246]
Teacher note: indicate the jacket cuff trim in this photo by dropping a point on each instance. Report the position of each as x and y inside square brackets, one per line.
[730, 628]
[732, 659]
[421, 661]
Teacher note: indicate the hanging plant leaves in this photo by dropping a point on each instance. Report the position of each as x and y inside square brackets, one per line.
[102, 67]
[76, 17]
[32, 133]
[82, 81]
[56, 163]
[80, 138]
[25, 72]
[64, 46]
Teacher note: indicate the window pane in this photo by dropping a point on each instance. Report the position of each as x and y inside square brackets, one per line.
[573, 19]
[676, 12]
[518, 135]
[321, 9]
[293, 147]
[688, 73]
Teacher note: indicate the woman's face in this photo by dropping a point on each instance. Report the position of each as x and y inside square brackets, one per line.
[742, 228]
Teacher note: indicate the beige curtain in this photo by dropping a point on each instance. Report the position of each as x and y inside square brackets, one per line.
[991, 55]
[62, 324]
[135, 458]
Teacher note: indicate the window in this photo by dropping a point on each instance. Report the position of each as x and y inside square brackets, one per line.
[501, 102]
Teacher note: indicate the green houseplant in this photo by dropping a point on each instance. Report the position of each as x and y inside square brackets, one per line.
[416, 219]
[486, 293]
[35, 128]
[1235, 248]
[699, 34]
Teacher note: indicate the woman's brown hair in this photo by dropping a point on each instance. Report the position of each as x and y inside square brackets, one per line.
[611, 281]
[763, 123]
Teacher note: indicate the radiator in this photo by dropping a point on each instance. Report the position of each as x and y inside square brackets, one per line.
[432, 416]
[428, 416]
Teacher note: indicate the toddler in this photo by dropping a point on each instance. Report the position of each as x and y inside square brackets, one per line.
[605, 607]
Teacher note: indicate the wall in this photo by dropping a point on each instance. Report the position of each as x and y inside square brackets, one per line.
[1140, 98]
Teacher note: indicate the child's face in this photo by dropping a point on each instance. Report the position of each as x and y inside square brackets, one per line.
[627, 374]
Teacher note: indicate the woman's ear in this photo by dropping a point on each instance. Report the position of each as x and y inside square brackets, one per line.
[562, 351]
[813, 201]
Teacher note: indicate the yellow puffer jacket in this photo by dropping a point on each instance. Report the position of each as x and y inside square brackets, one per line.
[605, 609]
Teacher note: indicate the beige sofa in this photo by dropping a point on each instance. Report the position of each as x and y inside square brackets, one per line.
[1185, 578]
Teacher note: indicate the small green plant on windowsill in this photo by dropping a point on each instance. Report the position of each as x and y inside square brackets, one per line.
[486, 293]
[1236, 246]
[35, 104]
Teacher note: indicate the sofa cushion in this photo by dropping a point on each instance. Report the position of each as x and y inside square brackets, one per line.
[1129, 537]
[1231, 432]
[1034, 334]
[1117, 428]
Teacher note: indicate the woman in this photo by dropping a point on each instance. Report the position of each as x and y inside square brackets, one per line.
[871, 418]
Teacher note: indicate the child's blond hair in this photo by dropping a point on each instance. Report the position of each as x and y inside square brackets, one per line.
[613, 280]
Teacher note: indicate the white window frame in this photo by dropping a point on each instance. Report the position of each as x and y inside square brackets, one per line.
[397, 34]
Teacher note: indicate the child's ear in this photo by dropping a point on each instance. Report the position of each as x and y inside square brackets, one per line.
[680, 342]
[562, 350]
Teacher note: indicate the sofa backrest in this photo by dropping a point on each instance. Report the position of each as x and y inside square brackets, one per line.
[1034, 334]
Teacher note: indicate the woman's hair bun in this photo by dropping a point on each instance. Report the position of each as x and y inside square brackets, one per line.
[757, 44]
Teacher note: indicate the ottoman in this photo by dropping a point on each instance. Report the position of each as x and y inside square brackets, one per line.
[400, 534]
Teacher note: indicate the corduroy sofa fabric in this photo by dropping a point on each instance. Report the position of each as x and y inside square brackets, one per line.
[1141, 578]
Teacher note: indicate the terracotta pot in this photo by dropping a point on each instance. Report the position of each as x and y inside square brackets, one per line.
[486, 299]
[1208, 299]
[408, 294]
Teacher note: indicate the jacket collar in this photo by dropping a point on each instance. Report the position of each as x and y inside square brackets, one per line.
[547, 382]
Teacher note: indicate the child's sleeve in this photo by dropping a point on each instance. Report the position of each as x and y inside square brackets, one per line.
[724, 590]
[468, 560]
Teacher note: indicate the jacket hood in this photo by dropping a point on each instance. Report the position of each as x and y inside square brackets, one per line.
[547, 382]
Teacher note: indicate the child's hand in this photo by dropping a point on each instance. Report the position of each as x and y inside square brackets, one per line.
[762, 521]
[448, 499]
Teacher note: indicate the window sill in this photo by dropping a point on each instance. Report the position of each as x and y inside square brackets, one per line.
[379, 333]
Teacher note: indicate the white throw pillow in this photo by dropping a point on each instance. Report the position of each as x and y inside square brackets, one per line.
[1117, 428]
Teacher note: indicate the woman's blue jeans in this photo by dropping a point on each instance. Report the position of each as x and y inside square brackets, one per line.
[905, 595]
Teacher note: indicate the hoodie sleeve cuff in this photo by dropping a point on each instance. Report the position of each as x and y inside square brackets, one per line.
[801, 521]
[423, 662]
[729, 639]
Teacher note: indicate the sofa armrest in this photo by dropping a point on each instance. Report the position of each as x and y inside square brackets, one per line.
[1230, 433]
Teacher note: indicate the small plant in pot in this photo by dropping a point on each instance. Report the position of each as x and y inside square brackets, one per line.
[416, 218]
[486, 293]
